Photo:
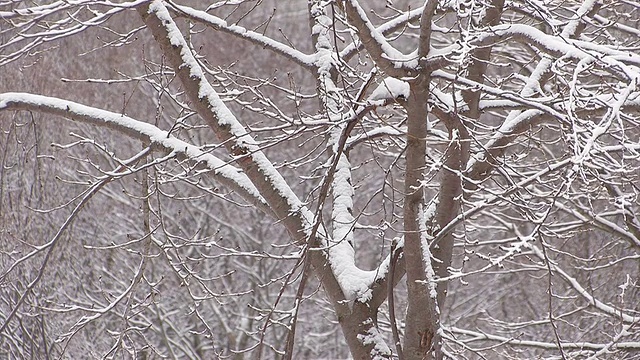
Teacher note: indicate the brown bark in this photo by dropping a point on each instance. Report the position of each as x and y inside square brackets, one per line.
[422, 340]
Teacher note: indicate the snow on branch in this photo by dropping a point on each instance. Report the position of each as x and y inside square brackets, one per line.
[388, 58]
[533, 103]
[247, 152]
[480, 336]
[607, 309]
[383, 29]
[614, 59]
[354, 282]
[221, 171]
[390, 89]
[256, 38]
[286, 206]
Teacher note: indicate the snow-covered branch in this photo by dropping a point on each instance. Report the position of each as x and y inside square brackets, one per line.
[471, 336]
[221, 171]
[266, 179]
[253, 37]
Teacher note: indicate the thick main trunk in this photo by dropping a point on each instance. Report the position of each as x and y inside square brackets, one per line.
[422, 322]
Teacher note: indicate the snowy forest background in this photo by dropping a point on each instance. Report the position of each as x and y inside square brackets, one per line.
[320, 179]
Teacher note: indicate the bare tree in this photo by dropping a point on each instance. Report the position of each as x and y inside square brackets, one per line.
[443, 179]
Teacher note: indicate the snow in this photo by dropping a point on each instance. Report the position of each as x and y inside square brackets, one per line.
[229, 126]
[354, 282]
[394, 22]
[343, 201]
[375, 132]
[391, 88]
[206, 91]
[427, 215]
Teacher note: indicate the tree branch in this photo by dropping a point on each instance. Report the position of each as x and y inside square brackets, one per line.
[221, 171]
[300, 58]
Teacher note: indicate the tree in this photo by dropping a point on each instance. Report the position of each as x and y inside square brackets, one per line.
[458, 179]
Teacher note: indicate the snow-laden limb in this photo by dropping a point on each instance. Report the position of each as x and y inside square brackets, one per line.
[357, 319]
[35, 11]
[221, 171]
[390, 60]
[518, 120]
[253, 37]
[247, 152]
[292, 213]
[535, 80]
[430, 280]
[374, 338]
[381, 131]
[617, 25]
[391, 25]
[618, 61]
[473, 336]
[613, 113]
[355, 283]
[341, 254]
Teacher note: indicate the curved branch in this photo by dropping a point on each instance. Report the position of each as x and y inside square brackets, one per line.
[287, 207]
[221, 171]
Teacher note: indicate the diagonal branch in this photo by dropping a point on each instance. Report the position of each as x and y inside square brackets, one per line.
[206, 102]
[221, 171]
[390, 26]
[253, 37]
[391, 61]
